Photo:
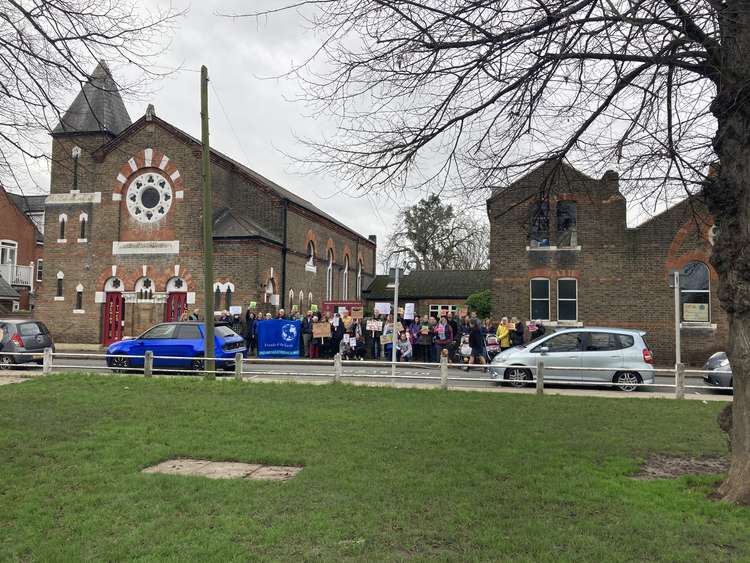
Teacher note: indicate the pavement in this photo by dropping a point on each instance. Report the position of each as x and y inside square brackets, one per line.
[407, 376]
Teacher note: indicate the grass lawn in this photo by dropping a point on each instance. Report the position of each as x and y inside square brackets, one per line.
[389, 474]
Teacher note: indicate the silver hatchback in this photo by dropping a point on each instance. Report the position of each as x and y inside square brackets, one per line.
[620, 356]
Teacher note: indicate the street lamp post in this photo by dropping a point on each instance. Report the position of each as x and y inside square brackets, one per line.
[393, 331]
[674, 281]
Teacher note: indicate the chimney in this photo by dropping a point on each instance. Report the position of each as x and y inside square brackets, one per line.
[373, 239]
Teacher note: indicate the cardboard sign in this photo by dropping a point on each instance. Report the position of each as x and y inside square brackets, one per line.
[409, 312]
[424, 330]
[358, 312]
[253, 305]
[383, 308]
[314, 308]
[399, 328]
[321, 330]
[235, 310]
[342, 311]
[346, 339]
[374, 325]
[295, 308]
[336, 321]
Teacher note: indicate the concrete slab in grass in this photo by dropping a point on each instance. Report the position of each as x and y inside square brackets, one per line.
[224, 469]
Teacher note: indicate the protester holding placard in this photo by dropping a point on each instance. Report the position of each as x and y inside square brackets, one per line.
[443, 337]
[503, 334]
[425, 336]
[375, 337]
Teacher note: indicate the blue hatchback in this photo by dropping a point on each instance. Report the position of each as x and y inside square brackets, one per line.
[181, 343]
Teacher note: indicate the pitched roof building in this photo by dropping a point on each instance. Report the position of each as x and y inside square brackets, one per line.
[123, 234]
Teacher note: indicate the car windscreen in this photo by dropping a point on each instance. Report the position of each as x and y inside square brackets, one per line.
[224, 332]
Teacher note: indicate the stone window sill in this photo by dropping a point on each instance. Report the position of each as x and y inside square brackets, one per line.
[697, 326]
[79, 311]
[309, 268]
[62, 240]
[551, 248]
[57, 298]
[83, 240]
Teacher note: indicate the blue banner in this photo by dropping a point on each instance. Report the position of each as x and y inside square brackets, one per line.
[278, 339]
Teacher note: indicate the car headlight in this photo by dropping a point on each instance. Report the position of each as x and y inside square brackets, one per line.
[724, 363]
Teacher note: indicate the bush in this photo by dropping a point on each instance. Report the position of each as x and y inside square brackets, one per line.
[481, 302]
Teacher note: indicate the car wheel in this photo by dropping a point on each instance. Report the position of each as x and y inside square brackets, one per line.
[197, 364]
[517, 377]
[627, 381]
[6, 362]
[120, 364]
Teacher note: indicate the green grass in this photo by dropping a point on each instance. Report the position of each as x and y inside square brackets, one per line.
[389, 474]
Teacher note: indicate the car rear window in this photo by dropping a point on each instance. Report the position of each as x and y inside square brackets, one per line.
[626, 341]
[189, 332]
[224, 332]
[30, 329]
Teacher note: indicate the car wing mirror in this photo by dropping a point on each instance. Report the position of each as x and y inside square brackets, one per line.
[544, 350]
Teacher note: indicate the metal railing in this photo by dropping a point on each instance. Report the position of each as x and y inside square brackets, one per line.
[17, 275]
[539, 376]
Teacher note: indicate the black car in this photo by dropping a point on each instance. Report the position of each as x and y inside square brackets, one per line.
[23, 335]
[718, 371]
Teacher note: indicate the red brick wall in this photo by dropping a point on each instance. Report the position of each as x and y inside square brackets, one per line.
[15, 226]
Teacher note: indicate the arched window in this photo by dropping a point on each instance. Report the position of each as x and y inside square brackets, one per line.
[291, 300]
[228, 298]
[309, 300]
[113, 284]
[301, 301]
[217, 297]
[695, 293]
[144, 288]
[79, 298]
[310, 264]
[345, 280]
[329, 276]
[82, 220]
[269, 292]
[59, 294]
[359, 279]
[63, 221]
[567, 232]
[539, 224]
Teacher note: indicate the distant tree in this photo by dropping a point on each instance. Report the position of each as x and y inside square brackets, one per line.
[47, 51]
[431, 236]
[481, 302]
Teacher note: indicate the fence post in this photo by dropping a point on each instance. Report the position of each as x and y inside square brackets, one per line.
[540, 377]
[338, 368]
[679, 388]
[444, 372]
[47, 365]
[238, 366]
[148, 364]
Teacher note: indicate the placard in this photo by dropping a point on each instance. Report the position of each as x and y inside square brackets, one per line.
[342, 311]
[409, 312]
[383, 308]
[235, 310]
[314, 308]
[358, 312]
[253, 305]
[374, 325]
[321, 330]
[346, 339]
[295, 308]
[695, 312]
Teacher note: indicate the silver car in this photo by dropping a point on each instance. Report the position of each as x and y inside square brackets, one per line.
[718, 371]
[622, 356]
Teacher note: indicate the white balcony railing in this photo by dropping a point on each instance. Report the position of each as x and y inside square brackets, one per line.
[17, 275]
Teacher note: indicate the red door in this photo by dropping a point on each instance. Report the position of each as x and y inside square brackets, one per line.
[113, 318]
[176, 304]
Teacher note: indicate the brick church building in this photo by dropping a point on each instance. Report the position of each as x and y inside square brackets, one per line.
[561, 251]
[123, 245]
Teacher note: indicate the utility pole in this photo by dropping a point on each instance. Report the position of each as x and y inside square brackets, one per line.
[395, 320]
[208, 234]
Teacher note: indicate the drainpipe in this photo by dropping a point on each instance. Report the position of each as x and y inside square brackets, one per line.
[284, 249]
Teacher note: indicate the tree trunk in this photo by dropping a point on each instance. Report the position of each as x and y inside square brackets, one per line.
[728, 198]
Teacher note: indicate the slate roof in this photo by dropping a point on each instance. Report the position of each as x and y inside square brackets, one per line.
[6, 291]
[97, 107]
[228, 225]
[431, 284]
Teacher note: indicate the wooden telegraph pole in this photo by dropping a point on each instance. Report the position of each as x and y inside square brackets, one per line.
[208, 233]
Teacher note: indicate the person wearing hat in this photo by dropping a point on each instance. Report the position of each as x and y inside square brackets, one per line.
[503, 334]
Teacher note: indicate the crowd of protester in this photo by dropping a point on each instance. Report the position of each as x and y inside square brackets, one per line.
[421, 339]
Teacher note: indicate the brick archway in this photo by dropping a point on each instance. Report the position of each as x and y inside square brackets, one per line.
[148, 158]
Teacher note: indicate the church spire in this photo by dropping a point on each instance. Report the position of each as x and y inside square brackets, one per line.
[98, 107]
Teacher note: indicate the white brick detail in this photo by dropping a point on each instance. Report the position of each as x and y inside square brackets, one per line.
[164, 162]
[179, 194]
[133, 165]
[174, 175]
[116, 196]
[148, 154]
[121, 178]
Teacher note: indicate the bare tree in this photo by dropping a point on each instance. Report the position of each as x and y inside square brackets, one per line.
[47, 50]
[494, 87]
[432, 236]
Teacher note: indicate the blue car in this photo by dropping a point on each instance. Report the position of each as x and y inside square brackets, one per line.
[181, 342]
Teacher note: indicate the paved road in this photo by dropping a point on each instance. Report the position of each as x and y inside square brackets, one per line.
[381, 374]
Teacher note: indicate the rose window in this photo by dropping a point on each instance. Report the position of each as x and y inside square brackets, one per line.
[149, 197]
